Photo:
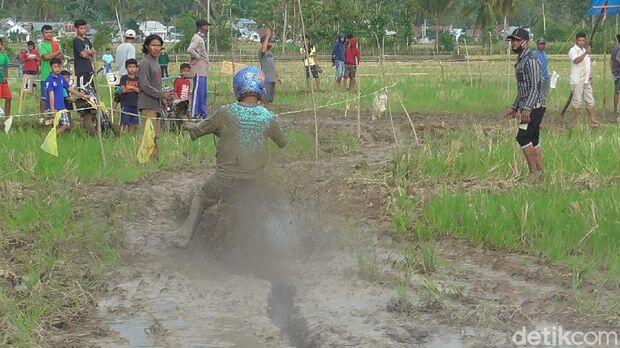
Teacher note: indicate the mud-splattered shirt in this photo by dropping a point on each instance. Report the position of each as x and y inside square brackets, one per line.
[243, 132]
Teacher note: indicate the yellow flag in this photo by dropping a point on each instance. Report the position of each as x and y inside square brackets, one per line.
[50, 145]
[148, 142]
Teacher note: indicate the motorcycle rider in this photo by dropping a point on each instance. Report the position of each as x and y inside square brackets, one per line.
[243, 129]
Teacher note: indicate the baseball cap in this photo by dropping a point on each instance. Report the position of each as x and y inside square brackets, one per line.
[519, 34]
[541, 41]
[130, 33]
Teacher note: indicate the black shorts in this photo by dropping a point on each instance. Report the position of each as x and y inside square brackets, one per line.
[314, 70]
[529, 135]
[617, 84]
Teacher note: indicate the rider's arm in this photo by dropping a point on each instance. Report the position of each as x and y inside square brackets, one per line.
[276, 134]
[211, 125]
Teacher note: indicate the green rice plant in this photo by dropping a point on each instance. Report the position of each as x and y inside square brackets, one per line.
[496, 156]
[568, 225]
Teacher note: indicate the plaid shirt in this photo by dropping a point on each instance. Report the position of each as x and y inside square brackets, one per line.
[529, 76]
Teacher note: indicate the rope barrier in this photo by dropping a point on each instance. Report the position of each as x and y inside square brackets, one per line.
[186, 119]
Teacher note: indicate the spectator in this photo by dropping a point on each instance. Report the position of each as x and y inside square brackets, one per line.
[48, 49]
[130, 87]
[199, 62]
[163, 61]
[107, 58]
[581, 78]
[83, 53]
[55, 86]
[125, 51]
[352, 59]
[268, 66]
[32, 60]
[20, 64]
[151, 95]
[338, 58]
[5, 91]
[182, 88]
[66, 74]
[310, 63]
[545, 76]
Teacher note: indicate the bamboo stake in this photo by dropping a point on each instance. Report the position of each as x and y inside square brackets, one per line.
[100, 136]
[471, 80]
[358, 85]
[316, 123]
[381, 59]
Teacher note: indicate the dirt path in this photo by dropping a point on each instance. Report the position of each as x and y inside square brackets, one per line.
[340, 290]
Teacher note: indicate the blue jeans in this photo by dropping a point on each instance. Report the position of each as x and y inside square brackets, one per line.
[107, 68]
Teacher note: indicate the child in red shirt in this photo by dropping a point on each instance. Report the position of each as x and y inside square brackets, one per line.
[31, 59]
[182, 91]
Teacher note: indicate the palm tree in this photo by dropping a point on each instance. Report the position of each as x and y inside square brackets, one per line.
[434, 9]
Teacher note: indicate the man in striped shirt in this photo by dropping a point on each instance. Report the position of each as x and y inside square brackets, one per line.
[529, 102]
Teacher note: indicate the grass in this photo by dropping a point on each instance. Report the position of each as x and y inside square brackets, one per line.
[572, 218]
[56, 242]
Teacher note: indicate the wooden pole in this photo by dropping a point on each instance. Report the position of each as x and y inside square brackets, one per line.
[98, 110]
[471, 79]
[358, 85]
[284, 28]
[542, 2]
[316, 123]
[381, 59]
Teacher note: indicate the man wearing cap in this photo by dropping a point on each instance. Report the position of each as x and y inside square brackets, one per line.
[199, 61]
[529, 102]
[546, 78]
[581, 78]
[125, 51]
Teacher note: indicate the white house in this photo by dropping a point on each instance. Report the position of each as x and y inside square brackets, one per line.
[153, 27]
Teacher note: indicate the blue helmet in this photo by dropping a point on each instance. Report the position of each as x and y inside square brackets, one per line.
[250, 80]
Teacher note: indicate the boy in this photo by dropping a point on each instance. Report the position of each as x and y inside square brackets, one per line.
[107, 61]
[66, 74]
[83, 53]
[352, 58]
[49, 49]
[164, 60]
[268, 66]
[182, 88]
[5, 91]
[130, 87]
[55, 86]
[244, 129]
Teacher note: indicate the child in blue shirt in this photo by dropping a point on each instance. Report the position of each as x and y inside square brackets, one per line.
[55, 87]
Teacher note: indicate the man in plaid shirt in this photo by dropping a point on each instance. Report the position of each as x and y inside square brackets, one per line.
[529, 103]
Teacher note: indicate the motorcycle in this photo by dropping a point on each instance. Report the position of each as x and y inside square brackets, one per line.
[89, 114]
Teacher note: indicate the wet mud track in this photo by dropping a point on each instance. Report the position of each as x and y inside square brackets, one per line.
[165, 297]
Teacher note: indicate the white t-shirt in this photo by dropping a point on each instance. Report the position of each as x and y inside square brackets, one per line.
[579, 73]
[123, 52]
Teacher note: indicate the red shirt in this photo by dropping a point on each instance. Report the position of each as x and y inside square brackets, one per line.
[182, 86]
[31, 63]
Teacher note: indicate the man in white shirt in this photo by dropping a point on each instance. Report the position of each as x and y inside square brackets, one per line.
[125, 51]
[581, 79]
